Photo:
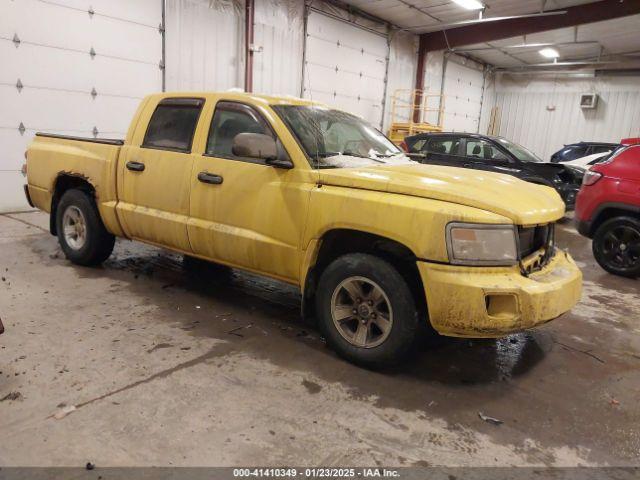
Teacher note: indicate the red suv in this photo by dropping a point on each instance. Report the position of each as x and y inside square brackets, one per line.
[608, 210]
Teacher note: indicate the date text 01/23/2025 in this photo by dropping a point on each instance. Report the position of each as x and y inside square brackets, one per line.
[315, 473]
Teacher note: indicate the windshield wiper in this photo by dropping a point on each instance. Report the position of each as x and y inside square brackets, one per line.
[357, 155]
[348, 154]
[325, 154]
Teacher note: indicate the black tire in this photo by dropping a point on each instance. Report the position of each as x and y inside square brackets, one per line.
[624, 258]
[98, 243]
[404, 326]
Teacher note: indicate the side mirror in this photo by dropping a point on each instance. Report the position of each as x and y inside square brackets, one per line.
[257, 145]
[254, 145]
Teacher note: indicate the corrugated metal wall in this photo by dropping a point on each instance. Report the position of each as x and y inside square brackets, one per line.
[433, 76]
[403, 51]
[279, 31]
[204, 44]
[543, 115]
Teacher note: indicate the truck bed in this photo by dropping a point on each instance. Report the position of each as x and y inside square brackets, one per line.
[94, 160]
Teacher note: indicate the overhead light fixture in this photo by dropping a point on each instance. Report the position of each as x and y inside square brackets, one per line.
[549, 53]
[470, 4]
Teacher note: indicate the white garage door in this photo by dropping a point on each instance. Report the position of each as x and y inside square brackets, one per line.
[463, 87]
[345, 66]
[73, 67]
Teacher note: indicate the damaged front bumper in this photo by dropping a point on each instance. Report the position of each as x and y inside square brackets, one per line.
[492, 302]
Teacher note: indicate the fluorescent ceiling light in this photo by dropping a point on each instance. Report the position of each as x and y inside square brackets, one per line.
[470, 4]
[549, 53]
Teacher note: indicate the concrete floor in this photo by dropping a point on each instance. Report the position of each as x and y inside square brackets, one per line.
[167, 369]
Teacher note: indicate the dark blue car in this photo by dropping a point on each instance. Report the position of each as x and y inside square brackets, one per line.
[573, 151]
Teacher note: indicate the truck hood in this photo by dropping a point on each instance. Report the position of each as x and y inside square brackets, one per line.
[523, 203]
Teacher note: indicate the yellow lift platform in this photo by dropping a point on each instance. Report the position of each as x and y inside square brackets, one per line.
[410, 105]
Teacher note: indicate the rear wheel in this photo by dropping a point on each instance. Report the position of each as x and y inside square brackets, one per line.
[366, 310]
[81, 233]
[616, 246]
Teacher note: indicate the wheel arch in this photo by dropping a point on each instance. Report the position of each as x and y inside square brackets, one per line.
[66, 181]
[607, 211]
[341, 241]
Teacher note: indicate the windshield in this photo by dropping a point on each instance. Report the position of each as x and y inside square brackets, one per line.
[518, 151]
[336, 139]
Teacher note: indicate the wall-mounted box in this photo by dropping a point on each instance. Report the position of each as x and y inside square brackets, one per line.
[589, 100]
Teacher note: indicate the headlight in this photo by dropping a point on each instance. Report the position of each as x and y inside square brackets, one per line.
[479, 244]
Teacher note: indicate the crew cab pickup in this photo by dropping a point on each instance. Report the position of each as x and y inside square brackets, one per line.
[381, 247]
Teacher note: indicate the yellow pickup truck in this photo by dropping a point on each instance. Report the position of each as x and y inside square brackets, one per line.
[380, 246]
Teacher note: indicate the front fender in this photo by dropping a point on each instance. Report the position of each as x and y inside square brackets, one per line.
[417, 223]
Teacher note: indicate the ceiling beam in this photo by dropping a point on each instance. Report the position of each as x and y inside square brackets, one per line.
[578, 15]
[524, 46]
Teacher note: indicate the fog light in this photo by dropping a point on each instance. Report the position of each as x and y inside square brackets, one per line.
[502, 305]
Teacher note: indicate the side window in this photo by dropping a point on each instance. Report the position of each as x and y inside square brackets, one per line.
[443, 145]
[173, 124]
[483, 150]
[571, 153]
[419, 145]
[229, 120]
[601, 149]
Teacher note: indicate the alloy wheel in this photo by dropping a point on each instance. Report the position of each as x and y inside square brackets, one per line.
[361, 312]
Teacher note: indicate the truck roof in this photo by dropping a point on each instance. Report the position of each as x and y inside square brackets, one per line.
[237, 95]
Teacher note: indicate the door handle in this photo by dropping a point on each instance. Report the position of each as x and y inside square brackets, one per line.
[206, 177]
[135, 166]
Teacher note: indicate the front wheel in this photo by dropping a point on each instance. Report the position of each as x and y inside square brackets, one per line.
[616, 246]
[366, 310]
[81, 233]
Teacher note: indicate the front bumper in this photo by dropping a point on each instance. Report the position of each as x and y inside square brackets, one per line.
[492, 302]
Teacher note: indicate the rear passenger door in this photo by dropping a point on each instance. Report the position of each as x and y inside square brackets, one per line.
[155, 174]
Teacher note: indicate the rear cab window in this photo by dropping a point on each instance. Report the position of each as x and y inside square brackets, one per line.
[173, 124]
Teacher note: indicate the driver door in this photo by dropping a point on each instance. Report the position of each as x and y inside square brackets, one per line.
[244, 212]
